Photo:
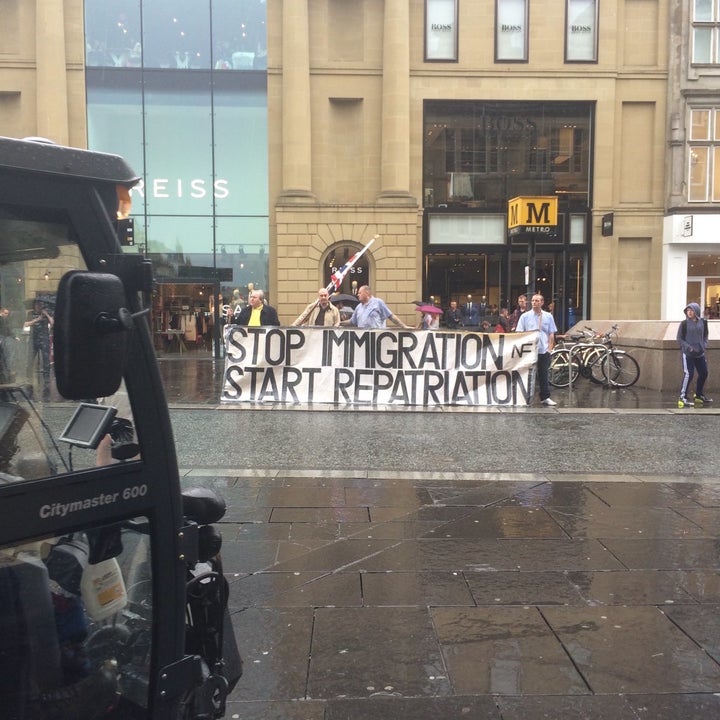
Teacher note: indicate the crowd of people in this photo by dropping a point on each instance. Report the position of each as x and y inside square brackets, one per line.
[369, 311]
[372, 312]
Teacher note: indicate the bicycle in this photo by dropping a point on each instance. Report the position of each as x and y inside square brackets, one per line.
[595, 358]
[578, 357]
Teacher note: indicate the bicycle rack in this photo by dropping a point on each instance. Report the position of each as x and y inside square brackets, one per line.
[584, 346]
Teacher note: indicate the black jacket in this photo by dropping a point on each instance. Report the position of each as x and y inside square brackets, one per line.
[268, 316]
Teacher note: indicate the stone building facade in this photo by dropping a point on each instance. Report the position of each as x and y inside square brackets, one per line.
[42, 81]
[359, 92]
[691, 233]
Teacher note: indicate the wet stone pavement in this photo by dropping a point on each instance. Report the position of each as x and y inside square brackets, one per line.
[358, 595]
[458, 582]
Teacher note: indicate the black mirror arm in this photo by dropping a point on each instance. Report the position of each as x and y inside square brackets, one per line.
[105, 323]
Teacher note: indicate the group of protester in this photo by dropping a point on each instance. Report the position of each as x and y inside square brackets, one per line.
[372, 312]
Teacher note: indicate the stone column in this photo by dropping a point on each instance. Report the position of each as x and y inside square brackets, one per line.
[296, 137]
[51, 71]
[395, 153]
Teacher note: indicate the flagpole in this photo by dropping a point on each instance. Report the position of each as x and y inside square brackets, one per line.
[336, 280]
[304, 315]
[337, 277]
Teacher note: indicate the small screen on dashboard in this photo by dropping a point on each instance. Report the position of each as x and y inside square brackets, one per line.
[88, 425]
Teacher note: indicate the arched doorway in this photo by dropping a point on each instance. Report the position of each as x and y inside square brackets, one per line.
[358, 275]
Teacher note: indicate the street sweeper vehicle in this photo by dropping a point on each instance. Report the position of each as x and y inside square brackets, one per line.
[113, 602]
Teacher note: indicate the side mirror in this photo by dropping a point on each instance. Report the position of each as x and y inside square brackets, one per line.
[90, 335]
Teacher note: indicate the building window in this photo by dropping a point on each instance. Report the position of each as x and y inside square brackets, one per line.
[467, 229]
[511, 30]
[578, 228]
[581, 30]
[176, 34]
[481, 154]
[704, 156]
[441, 30]
[706, 32]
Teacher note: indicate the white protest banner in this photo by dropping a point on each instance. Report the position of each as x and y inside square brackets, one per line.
[377, 367]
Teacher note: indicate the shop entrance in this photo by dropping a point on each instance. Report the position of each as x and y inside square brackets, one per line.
[183, 317]
[560, 276]
[495, 279]
[455, 276]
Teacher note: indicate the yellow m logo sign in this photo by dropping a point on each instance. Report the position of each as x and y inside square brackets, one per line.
[538, 216]
[538, 211]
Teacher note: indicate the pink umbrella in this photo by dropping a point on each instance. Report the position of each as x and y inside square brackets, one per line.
[429, 309]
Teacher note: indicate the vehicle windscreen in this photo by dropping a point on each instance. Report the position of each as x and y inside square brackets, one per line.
[41, 433]
[76, 618]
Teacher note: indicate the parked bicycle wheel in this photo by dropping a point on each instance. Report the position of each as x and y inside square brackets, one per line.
[584, 357]
[621, 369]
[593, 359]
[561, 369]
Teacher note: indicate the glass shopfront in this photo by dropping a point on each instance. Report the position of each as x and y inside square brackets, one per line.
[179, 89]
[477, 157]
[703, 282]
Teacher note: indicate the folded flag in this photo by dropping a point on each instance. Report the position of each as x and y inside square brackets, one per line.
[336, 279]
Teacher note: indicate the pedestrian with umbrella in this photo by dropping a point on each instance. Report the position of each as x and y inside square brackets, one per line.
[344, 300]
[431, 316]
[345, 303]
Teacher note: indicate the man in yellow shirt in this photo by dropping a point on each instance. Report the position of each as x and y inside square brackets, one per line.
[257, 313]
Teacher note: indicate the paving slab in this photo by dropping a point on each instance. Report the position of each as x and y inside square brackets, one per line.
[665, 706]
[623, 650]
[554, 707]
[375, 651]
[701, 623]
[447, 708]
[504, 651]
[423, 589]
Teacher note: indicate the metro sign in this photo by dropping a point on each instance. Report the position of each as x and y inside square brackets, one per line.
[533, 215]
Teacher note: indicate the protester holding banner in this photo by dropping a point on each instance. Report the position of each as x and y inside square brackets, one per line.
[257, 313]
[319, 312]
[538, 319]
[372, 312]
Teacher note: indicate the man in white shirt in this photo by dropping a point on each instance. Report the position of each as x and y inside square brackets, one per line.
[538, 319]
